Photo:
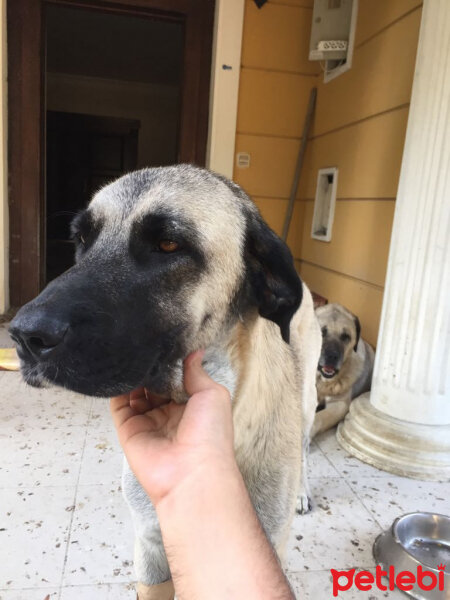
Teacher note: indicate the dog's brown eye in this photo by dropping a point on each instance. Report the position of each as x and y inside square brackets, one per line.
[168, 246]
[345, 337]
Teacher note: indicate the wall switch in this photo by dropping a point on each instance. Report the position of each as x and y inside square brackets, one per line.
[242, 160]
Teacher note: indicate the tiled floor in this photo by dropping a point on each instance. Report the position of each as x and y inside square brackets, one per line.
[65, 532]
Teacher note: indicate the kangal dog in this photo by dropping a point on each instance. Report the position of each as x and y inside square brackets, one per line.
[169, 260]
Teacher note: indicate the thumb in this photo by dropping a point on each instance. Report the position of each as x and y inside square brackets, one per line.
[208, 411]
[195, 377]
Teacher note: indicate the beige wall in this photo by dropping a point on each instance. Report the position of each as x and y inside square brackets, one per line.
[276, 79]
[4, 240]
[359, 127]
[155, 106]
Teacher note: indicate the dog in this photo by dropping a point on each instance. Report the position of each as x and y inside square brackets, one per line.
[170, 260]
[344, 370]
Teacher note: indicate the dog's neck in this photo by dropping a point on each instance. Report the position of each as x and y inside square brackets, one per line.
[218, 364]
[239, 360]
[258, 362]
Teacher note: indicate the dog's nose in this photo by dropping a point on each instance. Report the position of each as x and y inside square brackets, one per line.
[38, 334]
[331, 356]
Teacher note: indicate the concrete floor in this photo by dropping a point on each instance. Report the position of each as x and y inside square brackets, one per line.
[65, 530]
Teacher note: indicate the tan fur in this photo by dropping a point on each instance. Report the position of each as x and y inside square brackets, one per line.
[275, 392]
[271, 382]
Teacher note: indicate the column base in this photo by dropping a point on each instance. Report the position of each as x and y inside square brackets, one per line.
[408, 449]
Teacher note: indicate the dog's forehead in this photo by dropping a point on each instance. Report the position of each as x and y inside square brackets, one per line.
[335, 317]
[193, 194]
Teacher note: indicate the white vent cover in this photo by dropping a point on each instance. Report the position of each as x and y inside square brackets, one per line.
[324, 204]
[243, 160]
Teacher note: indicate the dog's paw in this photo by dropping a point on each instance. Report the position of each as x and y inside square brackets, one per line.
[303, 504]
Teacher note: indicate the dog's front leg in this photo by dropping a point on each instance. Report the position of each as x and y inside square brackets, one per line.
[309, 398]
[304, 495]
[150, 561]
[332, 414]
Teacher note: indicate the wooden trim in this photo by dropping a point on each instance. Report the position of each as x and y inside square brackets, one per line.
[386, 27]
[375, 286]
[169, 9]
[359, 121]
[227, 49]
[25, 148]
[27, 115]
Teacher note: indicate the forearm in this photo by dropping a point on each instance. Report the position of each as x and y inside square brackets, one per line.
[209, 521]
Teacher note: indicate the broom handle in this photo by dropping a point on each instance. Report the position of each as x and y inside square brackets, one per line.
[298, 167]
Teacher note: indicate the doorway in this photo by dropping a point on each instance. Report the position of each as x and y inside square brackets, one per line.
[83, 153]
[112, 94]
[96, 89]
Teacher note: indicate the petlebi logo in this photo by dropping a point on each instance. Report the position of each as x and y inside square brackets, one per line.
[403, 580]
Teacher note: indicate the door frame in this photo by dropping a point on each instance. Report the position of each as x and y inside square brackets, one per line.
[225, 78]
[26, 101]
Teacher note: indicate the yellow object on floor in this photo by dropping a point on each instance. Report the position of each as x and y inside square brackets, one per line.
[9, 361]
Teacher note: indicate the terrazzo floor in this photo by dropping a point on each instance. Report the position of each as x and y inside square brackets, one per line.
[65, 532]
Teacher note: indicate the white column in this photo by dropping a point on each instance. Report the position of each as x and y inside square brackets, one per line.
[403, 426]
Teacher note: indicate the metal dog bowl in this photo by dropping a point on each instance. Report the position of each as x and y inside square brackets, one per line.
[418, 539]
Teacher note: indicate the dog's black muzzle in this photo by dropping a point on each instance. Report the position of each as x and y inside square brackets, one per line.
[331, 359]
[38, 336]
[84, 334]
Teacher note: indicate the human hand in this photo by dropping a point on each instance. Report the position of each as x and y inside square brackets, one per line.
[169, 444]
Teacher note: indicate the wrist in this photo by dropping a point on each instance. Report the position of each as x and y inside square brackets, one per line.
[209, 520]
[207, 477]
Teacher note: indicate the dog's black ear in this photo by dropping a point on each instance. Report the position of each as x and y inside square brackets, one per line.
[275, 287]
[358, 332]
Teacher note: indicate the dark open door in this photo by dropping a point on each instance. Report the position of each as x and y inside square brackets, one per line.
[84, 153]
[27, 115]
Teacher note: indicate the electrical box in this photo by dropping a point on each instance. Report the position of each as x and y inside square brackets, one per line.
[330, 31]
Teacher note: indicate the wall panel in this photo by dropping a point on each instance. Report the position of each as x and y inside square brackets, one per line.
[380, 78]
[273, 103]
[359, 245]
[359, 127]
[375, 15]
[368, 154]
[272, 165]
[274, 38]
